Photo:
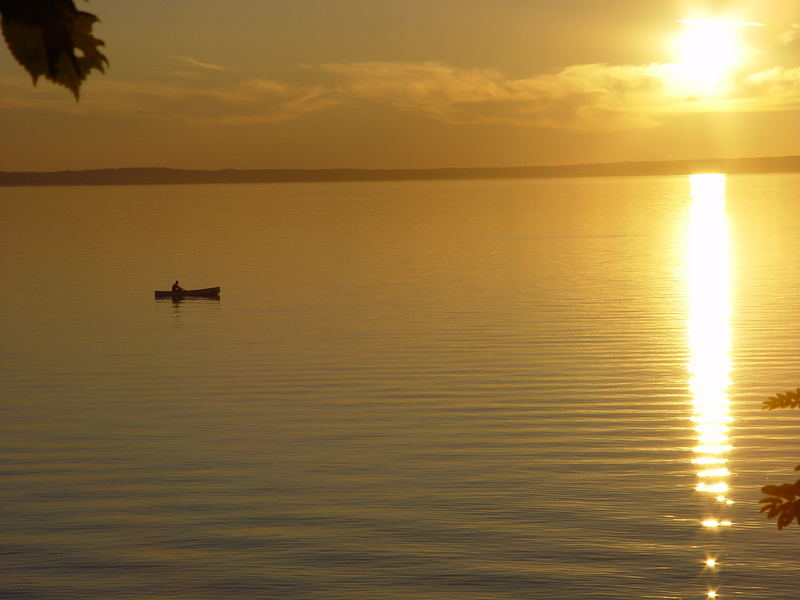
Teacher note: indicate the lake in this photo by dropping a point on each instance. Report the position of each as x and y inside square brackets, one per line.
[467, 390]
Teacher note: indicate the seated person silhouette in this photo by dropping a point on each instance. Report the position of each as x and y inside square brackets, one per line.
[176, 289]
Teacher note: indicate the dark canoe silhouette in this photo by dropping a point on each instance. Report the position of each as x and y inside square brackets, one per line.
[212, 292]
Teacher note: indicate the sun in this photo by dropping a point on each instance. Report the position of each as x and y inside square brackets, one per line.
[707, 52]
[708, 49]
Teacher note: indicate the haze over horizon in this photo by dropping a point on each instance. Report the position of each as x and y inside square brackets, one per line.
[355, 84]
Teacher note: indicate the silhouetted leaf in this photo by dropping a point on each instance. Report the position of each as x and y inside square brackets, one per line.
[52, 38]
[789, 399]
[787, 515]
[774, 504]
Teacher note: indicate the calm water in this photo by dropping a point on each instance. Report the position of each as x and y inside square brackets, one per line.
[452, 390]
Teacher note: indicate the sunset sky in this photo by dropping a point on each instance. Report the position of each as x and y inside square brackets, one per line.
[416, 84]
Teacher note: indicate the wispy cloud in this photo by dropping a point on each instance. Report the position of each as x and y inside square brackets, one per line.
[587, 97]
[203, 65]
[240, 102]
[244, 101]
[777, 88]
[580, 97]
[791, 36]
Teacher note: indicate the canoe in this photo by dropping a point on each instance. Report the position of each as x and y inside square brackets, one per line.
[212, 292]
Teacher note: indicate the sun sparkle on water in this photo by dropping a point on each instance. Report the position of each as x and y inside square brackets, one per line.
[714, 473]
[709, 332]
[709, 328]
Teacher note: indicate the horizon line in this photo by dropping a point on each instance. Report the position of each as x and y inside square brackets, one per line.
[167, 175]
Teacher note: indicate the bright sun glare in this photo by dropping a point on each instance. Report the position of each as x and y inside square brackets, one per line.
[708, 50]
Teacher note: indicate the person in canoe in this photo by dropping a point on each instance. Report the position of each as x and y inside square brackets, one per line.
[176, 289]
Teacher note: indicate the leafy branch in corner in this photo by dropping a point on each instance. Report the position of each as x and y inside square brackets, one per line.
[54, 39]
[782, 501]
[790, 399]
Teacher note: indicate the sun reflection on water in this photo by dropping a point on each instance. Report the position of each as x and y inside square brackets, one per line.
[709, 294]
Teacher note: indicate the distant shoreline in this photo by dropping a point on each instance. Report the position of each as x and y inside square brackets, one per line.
[161, 176]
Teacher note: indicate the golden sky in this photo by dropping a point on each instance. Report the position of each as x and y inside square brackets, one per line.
[416, 84]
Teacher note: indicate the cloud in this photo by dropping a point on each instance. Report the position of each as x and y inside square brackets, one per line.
[240, 102]
[580, 97]
[777, 88]
[196, 63]
[791, 36]
[587, 97]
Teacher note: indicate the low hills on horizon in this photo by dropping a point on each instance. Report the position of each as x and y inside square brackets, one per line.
[163, 175]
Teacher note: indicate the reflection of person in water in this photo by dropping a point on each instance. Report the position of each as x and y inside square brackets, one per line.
[176, 288]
